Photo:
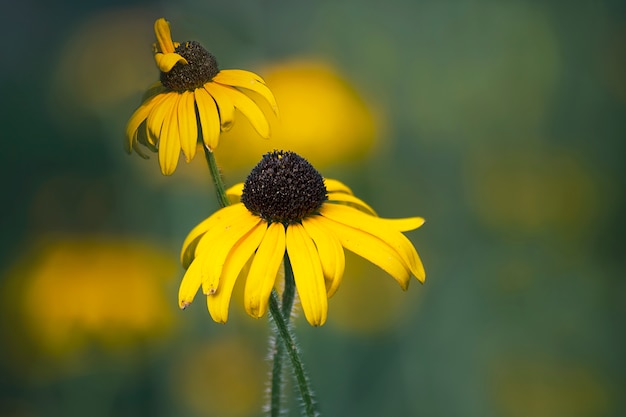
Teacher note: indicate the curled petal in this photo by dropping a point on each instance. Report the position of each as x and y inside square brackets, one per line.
[165, 62]
[164, 36]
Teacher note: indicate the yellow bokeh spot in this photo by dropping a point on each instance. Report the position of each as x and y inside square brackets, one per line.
[224, 378]
[540, 387]
[322, 117]
[533, 190]
[74, 293]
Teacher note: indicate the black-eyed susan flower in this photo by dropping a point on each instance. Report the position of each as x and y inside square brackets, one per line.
[286, 206]
[193, 100]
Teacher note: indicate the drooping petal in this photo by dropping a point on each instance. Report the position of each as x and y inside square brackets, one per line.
[189, 286]
[330, 252]
[381, 228]
[224, 104]
[188, 125]
[216, 244]
[169, 144]
[138, 117]
[371, 248]
[334, 186]
[263, 270]
[248, 80]
[249, 109]
[163, 35]
[165, 62]
[209, 118]
[352, 201]
[224, 215]
[158, 115]
[308, 274]
[219, 302]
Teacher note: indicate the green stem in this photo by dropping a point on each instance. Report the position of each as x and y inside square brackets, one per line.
[279, 348]
[217, 177]
[288, 338]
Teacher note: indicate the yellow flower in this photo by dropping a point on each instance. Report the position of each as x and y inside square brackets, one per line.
[193, 100]
[286, 206]
[66, 295]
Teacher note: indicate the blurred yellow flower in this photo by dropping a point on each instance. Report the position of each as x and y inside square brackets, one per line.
[223, 377]
[546, 387]
[74, 292]
[319, 109]
[193, 99]
[287, 207]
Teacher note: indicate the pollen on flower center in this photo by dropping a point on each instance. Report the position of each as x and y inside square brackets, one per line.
[201, 68]
[283, 187]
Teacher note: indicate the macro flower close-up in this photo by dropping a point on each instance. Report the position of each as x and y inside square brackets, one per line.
[287, 208]
[193, 101]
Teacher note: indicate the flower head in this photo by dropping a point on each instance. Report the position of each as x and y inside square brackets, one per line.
[193, 100]
[286, 206]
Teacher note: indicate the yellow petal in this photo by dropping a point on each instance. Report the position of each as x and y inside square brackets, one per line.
[225, 215]
[249, 109]
[334, 186]
[330, 252]
[352, 201]
[169, 144]
[157, 116]
[234, 193]
[224, 104]
[216, 244]
[163, 35]
[219, 302]
[209, 118]
[138, 117]
[190, 284]
[263, 270]
[165, 62]
[240, 74]
[371, 248]
[382, 229]
[248, 80]
[308, 275]
[188, 125]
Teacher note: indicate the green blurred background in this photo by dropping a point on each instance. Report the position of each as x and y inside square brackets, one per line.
[500, 122]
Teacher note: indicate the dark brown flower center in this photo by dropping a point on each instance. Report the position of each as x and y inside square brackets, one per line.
[283, 187]
[201, 68]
